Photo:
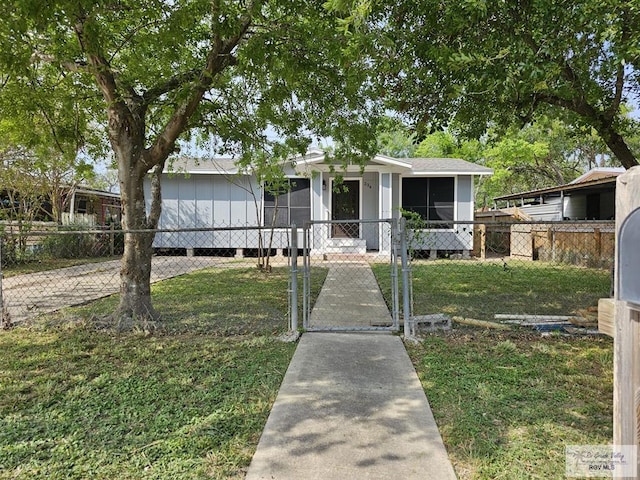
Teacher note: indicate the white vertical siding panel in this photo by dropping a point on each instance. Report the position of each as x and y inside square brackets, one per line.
[170, 196]
[370, 208]
[464, 197]
[395, 195]
[237, 206]
[204, 210]
[221, 209]
[186, 202]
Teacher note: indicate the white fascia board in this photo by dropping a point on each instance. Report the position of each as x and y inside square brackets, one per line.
[445, 174]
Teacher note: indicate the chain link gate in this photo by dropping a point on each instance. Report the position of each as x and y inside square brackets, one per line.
[355, 253]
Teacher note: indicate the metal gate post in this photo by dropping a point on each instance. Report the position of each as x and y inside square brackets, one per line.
[305, 275]
[294, 278]
[394, 274]
[405, 276]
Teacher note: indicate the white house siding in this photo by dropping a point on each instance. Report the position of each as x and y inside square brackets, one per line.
[550, 210]
[317, 210]
[385, 195]
[395, 196]
[205, 201]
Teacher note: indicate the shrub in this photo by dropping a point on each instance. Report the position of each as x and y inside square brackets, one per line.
[70, 245]
[7, 249]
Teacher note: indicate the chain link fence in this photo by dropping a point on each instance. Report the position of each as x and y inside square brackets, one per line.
[514, 272]
[349, 250]
[46, 270]
[545, 275]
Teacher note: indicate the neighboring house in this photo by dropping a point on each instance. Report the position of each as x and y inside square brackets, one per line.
[589, 197]
[91, 207]
[211, 193]
[83, 206]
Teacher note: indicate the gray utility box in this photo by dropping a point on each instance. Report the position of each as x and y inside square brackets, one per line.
[629, 260]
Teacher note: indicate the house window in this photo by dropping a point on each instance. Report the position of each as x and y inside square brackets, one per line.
[432, 198]
[290, 207]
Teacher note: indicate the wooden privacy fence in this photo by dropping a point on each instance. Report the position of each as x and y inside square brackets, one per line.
[588, 244]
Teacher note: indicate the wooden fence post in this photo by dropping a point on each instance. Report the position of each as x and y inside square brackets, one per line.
[597, 240]
[626, 367]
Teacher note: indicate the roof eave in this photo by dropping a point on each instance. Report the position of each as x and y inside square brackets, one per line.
[449, 173]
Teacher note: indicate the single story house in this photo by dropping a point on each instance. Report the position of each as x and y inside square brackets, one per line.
[82, 206]
[92, 207]
[589, 197]
[213, 193]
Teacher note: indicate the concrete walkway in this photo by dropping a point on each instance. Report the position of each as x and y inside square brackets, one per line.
[350, 406]
[350, 297]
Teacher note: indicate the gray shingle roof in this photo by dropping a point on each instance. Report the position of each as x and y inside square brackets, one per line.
[446, 166]
[419, 166]
[202, 165]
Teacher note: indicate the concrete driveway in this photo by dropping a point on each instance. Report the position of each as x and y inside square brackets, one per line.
[27, 296]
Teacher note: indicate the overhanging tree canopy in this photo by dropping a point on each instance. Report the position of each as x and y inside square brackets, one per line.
[162, 68]
[498, 62]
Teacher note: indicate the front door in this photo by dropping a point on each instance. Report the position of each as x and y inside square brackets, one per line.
[345, 205]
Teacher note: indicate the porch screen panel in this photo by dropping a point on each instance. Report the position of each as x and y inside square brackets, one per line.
[441, 199]
[430, 197]
[293, 206]
[414, 195]
[300, 201]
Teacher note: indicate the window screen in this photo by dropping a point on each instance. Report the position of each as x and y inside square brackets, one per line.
[293, 206]
[430, 197]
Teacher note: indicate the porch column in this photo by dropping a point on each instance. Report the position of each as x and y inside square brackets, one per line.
[385, 210]
[317, 206]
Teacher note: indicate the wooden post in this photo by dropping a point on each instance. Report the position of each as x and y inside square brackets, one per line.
[626, 356]
[597, 240]
[482, 231]
[112, 240]
[551, 242]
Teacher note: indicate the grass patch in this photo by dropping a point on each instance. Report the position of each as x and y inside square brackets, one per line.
[507, 404]
[76, 402]
[482, 289]
[216, 301]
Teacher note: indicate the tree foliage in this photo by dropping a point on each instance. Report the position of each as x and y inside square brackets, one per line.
[153, 72]
[543, 154]
[487, 64]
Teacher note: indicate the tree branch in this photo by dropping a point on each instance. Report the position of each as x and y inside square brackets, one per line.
[600, 121]
[219, 57]
[619, 84]
[156, 197]
[99, 67]
[169, 85]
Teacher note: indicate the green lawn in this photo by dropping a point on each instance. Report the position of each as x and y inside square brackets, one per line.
[81, 402]
[508, 404]
[479, 290]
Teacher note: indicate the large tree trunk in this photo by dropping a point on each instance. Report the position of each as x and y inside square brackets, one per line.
[135, 272]
[135, 308]
[126, 113]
